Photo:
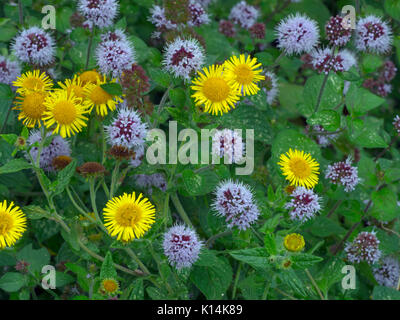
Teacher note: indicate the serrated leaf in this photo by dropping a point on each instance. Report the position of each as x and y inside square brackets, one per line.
[113, 89]
[34, 212]
[107, 268]
[15, 165]
[12, 281]
[304, 260]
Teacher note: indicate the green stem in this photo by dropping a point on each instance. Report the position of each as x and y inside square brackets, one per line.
[94, 206]
[105, 188]
[314, 284]
[20, 13]
[161, 105]
[89, 48]
[137, 260]
[180, 209]
[7, 116]
[236, 280]
[211, 240]
[114, 179]
[76, 205]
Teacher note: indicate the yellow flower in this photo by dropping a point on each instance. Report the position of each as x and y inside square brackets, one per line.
[294, 242]
[33, 81]
[32, 107]
[66, 112]
[75, 85]
[128, 217]
[299, 168]
[214, 90]
[90, 76]
[97, 97]
[245, 73]
[109, 286]
[12, 224]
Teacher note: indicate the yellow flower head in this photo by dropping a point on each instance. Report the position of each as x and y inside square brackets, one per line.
[299, 168]
[214, 90]
[294, 242]
[32, 107]
[97, 97]
[33, 81]
[128, 217]
[74, 85]
[245, 73]
[12, 224]
[66, 112]
[109, 286]
[90, 76]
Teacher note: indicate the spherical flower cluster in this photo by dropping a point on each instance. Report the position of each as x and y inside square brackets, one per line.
[114, 54]
[270, 86]
[396, 123]
[9, 70]
[365, 247]
[335, 33]
[228, 143]
[34, 46]
[183, 57]
[137, 156]
[181, 246]
[294, 242]
[373, 35]
[304, 204]
[343, 173]
[57, 147]
[147, 181]
[323, 61]
[227, 28]
[244, 14]
[198, 15]
[257, 31]
[234, 201]
[388, 71]
[387, 274]
[322, 139]
[99, 13]
[127, 129]
[157, 17]
[297, 34]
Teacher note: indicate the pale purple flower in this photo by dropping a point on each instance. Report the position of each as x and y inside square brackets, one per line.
[34, 46]
[234, 201]
[387, 274]
[183, 57]
[304, 204]
[228, 143]
[343, 173]
[244, 14]
[270, 86]
[116, 35]
[114, 56]
[297, 34]
[138, 156]
[336, 34]
[324, 140]
[198, 15]
[9, 70]
[127, 129]
[365, 247]
[157, 17]
[181, 246]
[100, 13]
[148, 181]
[373, 35]
[388, 71]
[57, 147]
[396, 123]
[347, 59]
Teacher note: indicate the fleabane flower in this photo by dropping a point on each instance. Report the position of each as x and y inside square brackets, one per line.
[270, 86]
[234, 201]
[127, 129]
[183, 57]
[365, 247]
[228, 143]
[12, 224]
[214, 90]
[387, 274]
[9, 71]
[299, 168]
[294, 242]
[181, 246]
[297, 34]
[304, 204]
[373, 35]
[343, 173]
[99, 13]
[336, 33]
[245, 73]
[33, 81]
[244, 14]
[198, 16]
[75, 86]
[32, 108]
[34, 46]
[56, 148]
[114, 56]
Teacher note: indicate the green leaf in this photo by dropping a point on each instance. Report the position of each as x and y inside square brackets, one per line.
[14, 165]
[385, 206]
[385, 293]
[34, 212]
[63, 178]
[199, 183]
[290, 279]
[330, 274]
[107, 268]
[12, 281]
[304, 260]
[360, 100]
[11, 138]
[161, 78]
[211, 275]
[256, 257]
[137, 292]
[37, 259]
[270, 244]
[113, 89]
[324, 227]
[392, 8]
[63, 279]
[329, 119]
[365, 133]
[177, 97]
